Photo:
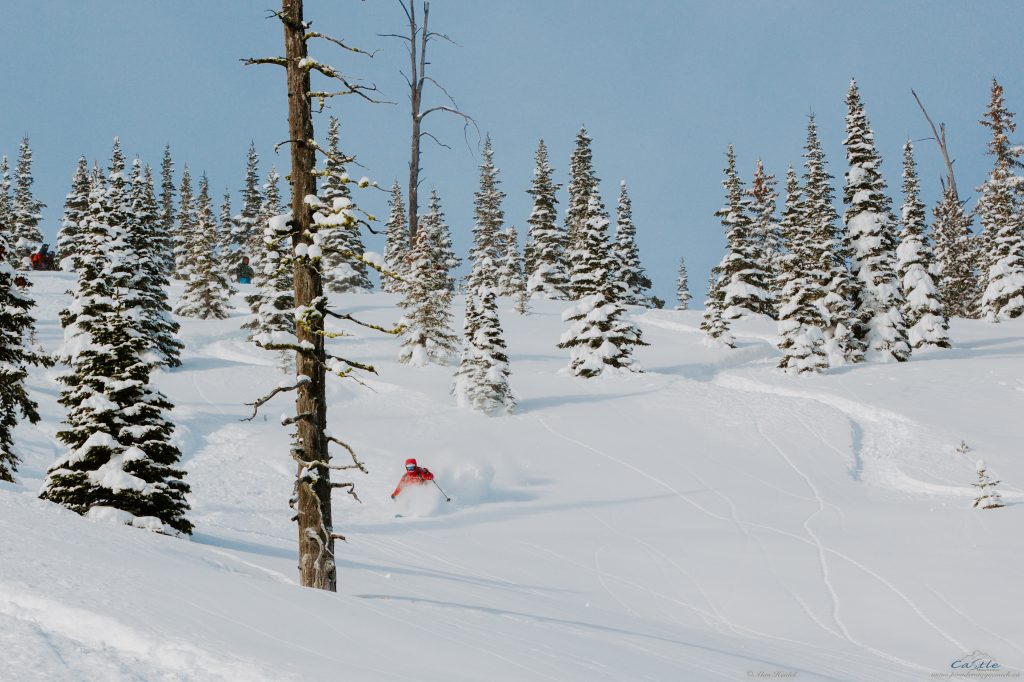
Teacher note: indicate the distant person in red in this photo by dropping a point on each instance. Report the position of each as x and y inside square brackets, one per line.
[414, 475]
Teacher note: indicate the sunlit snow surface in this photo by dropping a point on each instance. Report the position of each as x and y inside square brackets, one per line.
[709, 519]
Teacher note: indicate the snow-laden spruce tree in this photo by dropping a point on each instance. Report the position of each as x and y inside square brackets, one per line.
[441, 238]
[682, 286]
[599, 339]
[544, 254]
[228, 247]
[1002, 217]
[922, 304]
[510, 269]
[582, 183]
[149, 242]
[168, 224]
[828, 253]
[396, 242]
[185, 227]
[343, 269]
[427, 336]
[488, 221]
[272, 300]
[627, 254]
[716, 330]
[744, 287]
[121, 462]
[76, 211]
[5, 207]
[249, 233]
[207, 289]
[26, 210]
[767, 236]
[988, 496]
[801, 313]
[481, 381]
[16, 354]
[955, 256]
[871, 242]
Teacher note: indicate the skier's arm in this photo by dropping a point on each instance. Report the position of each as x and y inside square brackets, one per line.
[401, 484]
[427, 476]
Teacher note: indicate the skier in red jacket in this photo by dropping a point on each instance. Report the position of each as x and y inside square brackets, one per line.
[414, 475]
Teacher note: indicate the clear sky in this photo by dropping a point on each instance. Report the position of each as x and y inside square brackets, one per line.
[663, 86]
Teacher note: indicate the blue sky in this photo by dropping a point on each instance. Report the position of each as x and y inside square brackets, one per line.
[663, 86]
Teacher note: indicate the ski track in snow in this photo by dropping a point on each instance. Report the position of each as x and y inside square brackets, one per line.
[867, 570]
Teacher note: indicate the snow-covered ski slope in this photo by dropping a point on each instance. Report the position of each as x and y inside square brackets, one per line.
[709, 519]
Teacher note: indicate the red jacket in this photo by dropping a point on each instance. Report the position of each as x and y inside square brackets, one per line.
[418, 476]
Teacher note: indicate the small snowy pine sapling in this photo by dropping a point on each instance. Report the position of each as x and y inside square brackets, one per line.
[988, 497]
[682, 287]
[963, 448]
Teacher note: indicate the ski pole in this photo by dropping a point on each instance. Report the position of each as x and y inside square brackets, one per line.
[446, 498]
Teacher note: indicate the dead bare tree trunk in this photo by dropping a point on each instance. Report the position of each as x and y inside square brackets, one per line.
[311, 498]
[417, 79]
[940, 139]
[313, 488]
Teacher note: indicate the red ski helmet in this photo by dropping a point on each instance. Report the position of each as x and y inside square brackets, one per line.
[411, 462]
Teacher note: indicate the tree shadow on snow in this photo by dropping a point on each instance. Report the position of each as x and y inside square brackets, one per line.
[737, 653]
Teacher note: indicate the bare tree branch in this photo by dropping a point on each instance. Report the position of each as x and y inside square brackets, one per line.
[342, 45]
[252, 61]
[940, 139]
[300, 381]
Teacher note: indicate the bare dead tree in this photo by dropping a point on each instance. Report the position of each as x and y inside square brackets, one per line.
[940, 139]
[417, 79]
[301, 232]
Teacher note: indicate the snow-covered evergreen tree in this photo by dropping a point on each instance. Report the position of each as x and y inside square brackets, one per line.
[744, 287]
[441, 238]
[627, 255]
[228, 247]
[544, 255]
[988, 496]
[1002, 217]
[427, 334]
[955, 256]
[121, 462]
[6, 220]
[481, 381]
[716, 330]
[26, 210]
[827, 252]
[767, 236]
[207, 289]
[682, 287]
[168, 226]
[272, 300]
[16, 354]
[870, 240]
[510, 268]
[186, 226]
[582, 182]
[598, 338]
[396, 244]
[342, 271]
[248, 232]
[149, 243]
[922, 304]
[489, 219]
[801, 315]
[73, 223]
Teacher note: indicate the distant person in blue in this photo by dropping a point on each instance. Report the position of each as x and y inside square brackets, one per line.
[244, 271]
